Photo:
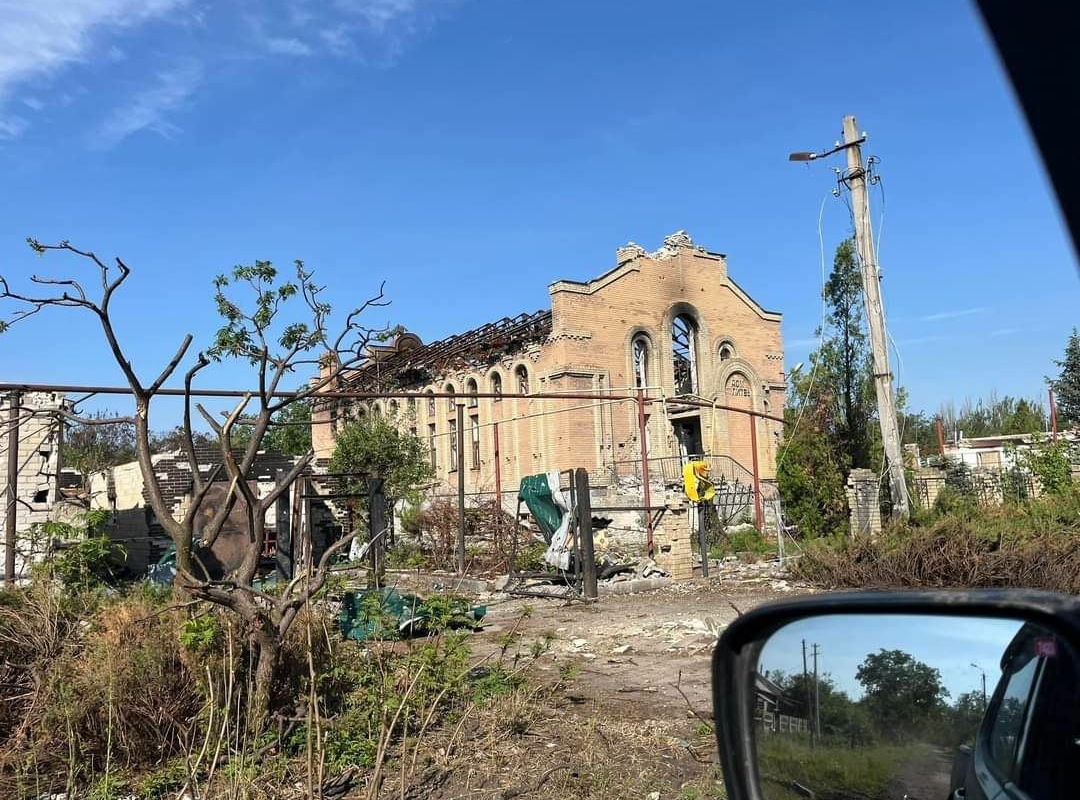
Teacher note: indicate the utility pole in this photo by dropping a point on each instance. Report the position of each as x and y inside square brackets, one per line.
[809, 699]
[854, 178]
[983, 672]
[875, 313]
[817, 695]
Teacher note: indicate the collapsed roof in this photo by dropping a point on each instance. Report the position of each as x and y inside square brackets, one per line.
[418, 364]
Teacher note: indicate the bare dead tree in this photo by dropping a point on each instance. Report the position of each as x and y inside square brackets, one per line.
[252, 331]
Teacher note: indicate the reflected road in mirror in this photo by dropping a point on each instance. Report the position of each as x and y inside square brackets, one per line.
[888, 706]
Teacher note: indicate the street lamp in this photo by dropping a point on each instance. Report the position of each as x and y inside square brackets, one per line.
[980, 669]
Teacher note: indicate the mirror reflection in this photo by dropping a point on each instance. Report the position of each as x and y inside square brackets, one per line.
[893, 706]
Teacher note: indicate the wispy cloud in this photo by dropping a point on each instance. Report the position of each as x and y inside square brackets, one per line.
[39, 39]
[146, 110]
[51, 48]
[953, 314]
[797, 343]
[287, 46]
[12, 126]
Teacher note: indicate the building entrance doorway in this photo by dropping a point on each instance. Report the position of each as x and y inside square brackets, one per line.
[688, 435]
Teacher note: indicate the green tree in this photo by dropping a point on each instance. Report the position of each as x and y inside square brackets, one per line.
[901, 693]
[828, 425]
[843, 362]
[1067, 384]
[103, 440]
[289, 432]
[374, 445]
[809, 473]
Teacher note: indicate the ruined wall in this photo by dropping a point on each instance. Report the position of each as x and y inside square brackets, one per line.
[39, 463]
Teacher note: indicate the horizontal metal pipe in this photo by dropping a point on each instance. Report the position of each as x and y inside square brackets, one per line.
[345, 395]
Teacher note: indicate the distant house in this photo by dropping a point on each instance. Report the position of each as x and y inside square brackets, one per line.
[122, 491]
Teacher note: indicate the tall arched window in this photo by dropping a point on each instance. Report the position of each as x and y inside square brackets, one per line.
[496, 386]
[522, 376]
[450, 404]
[392, 408]
[430, 403]
[640, 352]
[471, 391]
[684, 354]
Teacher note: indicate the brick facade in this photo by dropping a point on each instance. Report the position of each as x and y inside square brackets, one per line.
[589, 346]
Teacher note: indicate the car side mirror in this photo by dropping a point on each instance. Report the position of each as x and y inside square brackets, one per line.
[882, 695]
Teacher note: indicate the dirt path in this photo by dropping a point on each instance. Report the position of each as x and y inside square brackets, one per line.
[923, 777]
[631, 649]
[617, 724]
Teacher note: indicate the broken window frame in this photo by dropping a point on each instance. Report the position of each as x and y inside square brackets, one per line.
[521, 376]
[474, 437]
[472, 390]
[433, 450]
[640, 351]
[451, 401]
[496, 387]
[684, 354]
[431, 403]
[453, 446]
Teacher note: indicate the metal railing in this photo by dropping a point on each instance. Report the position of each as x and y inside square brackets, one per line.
[668, 469]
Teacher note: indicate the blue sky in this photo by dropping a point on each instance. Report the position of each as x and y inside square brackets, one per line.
[470, 152]
[957, 647]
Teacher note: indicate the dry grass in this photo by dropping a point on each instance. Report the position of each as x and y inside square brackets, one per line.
[1034, 545]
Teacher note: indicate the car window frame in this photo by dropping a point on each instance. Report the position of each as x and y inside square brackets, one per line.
[1009, 779]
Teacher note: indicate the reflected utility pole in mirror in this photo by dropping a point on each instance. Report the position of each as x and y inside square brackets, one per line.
[817, 693]
[983, 671]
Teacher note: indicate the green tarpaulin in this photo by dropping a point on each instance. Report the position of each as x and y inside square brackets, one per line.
[388, 614]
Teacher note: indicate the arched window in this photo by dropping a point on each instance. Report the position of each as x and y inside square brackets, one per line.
[522, 376]
[430, 403]
[376, 410]
[392, 408]
[471, 391]
[726, 351]
[684, 354]
[450, 404]
[496, 386]
[640, 351]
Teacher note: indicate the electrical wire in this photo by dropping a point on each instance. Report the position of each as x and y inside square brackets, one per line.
[821, 334]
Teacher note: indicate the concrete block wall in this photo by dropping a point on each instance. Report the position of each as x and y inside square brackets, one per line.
[863, 502]
[39, 463]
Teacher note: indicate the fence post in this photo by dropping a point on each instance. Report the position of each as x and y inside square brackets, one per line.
[498, 466]
[376, 531]
[647, 492]
[759, 513]
[583, 509]
[703, 545]
[461, 488]
[283, 523]
[14, 402]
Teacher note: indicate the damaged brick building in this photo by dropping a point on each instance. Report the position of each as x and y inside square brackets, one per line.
[671, 322]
